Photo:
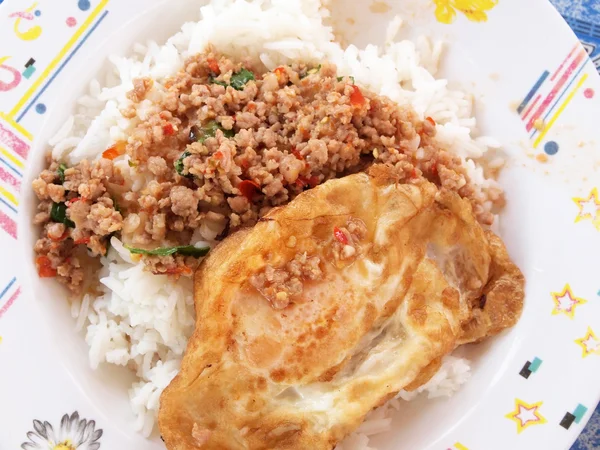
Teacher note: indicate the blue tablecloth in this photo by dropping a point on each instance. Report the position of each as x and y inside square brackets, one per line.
[584, 18]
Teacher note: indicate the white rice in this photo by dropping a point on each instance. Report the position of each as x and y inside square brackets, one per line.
[143, 321]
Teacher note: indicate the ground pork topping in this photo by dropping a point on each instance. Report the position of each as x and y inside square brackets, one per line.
[223, 144]
[283, 285]
[346, 242]
[75, 210]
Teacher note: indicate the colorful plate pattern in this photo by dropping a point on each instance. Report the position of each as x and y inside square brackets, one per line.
[534, 387]
[583, 16]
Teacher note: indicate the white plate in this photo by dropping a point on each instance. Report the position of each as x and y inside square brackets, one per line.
[533, 387]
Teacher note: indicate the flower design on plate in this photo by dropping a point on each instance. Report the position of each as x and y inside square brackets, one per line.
[474, 10]
[73, 434]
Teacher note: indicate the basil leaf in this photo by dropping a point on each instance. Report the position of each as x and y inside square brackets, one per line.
[312, 71]
[213, 80]
[186, 250]
[351, 78]
[61, 172]
[239, 79]
[191, 250]
[207, 131]
[58, 213]
[179, 163]
[228, 133]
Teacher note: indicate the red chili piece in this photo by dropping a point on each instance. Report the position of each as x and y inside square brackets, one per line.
[116, 150]
[213, 65]
[280, 71]
[62, 238]
[45, 269]
[434, 168]
[248, 188]
[110, 153]
[169, 130]
[356, 97]
[313, 181]
[340, 236]
[303, 181]
[297, 154]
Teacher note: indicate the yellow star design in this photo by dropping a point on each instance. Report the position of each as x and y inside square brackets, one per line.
[589, 208]
[589, 343]
[526, 415]
[565, 302]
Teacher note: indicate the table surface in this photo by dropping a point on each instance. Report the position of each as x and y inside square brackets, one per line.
[584, 18]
